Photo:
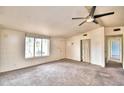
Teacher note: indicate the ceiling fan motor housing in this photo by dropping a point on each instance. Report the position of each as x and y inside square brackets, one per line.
[90, 19]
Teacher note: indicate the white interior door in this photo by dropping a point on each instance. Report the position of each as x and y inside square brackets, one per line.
[86, 50]
[115, 49]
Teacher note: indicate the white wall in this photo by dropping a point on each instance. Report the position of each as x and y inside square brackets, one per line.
[12, 48]
[123, 51]
[109, 31]
[12, 51]
[97, 46]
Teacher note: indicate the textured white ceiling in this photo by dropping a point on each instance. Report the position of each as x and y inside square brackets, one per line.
[56, 20]
[112, 20]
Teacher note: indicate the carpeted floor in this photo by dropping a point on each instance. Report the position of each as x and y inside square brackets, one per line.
[64, 72]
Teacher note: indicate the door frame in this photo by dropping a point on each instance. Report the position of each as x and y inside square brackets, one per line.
[81, 54]
[108, 50]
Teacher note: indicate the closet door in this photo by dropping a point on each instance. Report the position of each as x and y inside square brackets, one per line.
[86, 50]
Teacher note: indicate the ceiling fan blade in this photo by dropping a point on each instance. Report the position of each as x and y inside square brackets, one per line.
[96, 22]
[105, 14]
[82, 23]
[92, 11]
[78, 18]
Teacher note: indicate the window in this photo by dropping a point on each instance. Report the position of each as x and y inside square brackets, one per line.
[115, 49]
[36, 47]
[45, 47]
[29, 47]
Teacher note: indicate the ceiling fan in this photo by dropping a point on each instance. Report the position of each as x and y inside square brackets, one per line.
[91, 17]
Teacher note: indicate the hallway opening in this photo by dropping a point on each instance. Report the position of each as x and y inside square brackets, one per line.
[114, 48]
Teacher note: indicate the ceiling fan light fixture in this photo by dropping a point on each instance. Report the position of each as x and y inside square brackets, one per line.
[90, 19]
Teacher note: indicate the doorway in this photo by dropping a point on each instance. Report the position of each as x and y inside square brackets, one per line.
[114, 50]
[85, 50]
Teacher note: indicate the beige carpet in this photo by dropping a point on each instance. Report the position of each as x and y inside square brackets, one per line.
[64, 72]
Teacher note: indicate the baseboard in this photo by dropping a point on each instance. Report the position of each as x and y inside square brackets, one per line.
[31, 66]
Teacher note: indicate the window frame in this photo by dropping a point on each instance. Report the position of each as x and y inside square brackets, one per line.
[25, 47]
[35, 47]
[47, 48]
[34, 56]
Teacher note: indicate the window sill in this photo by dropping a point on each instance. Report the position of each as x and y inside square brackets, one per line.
[38, 57]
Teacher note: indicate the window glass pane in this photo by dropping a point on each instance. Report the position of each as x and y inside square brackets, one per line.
[45, 47]
[29, 47]
[116, 49]
[37, 47]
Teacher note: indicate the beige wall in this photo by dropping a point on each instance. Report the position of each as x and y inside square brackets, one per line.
[109, 31]
[97, 46]
[123, 51]
[0, 46]
[12, 51]
[12, 48]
